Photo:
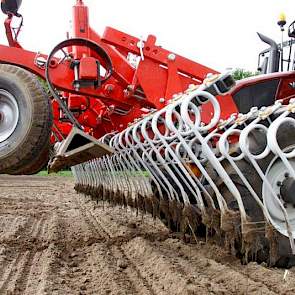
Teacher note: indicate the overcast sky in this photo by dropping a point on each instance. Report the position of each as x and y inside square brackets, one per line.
[218, 34]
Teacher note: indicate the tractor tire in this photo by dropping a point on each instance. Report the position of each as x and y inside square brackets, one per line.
[25, 122]
[39, 163]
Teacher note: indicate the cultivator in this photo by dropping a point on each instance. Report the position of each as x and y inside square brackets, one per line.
[147, 128]
[235, 177]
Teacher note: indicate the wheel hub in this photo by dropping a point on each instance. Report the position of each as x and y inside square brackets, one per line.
[287, 190]
[9, 114]
[283, 187]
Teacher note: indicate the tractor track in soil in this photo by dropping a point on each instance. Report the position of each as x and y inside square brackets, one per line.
[54, 241]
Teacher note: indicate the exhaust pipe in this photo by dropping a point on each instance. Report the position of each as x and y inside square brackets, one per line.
[274, 54]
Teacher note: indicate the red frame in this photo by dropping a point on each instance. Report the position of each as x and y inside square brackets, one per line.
[158, 77]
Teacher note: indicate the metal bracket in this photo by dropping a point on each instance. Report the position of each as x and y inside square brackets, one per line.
[77, 148]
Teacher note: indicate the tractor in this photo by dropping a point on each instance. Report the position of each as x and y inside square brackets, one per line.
[144, 127]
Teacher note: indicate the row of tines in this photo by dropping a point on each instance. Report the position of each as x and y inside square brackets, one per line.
[199, 177]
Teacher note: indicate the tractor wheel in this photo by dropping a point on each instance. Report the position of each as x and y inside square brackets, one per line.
[39, 163]
[25, 121]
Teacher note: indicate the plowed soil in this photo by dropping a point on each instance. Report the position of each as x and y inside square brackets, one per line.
[54, 241]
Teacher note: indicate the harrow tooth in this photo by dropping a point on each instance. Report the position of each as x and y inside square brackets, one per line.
[211, 221]
[148, 205]
[231, 228]
[165, 214]
[206, 178]
[176, 211]
[141, 203]
[130, 200]
[190, 219]
[156, 207]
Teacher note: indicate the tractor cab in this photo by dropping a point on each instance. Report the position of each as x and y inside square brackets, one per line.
[278, 57]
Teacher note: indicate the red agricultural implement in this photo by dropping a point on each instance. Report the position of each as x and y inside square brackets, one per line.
[145, 127]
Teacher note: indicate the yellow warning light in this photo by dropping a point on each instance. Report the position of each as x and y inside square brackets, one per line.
[282, 19]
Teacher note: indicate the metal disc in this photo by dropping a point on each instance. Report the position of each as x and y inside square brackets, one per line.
[275, 174]
[9, 114]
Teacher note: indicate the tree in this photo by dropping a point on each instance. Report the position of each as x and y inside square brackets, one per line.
[239, 74]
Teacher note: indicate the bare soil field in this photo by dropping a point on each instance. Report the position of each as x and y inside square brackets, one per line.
[54, 241]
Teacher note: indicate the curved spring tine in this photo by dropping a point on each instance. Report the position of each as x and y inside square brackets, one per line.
[172, 127]
[153, 167]
[106, 173]
[124, 164]
[96, 173]
[141, 161]
[107, 137]
[208, 152]
[133, 166]
[188, 180]
[113, 173]
[273, 140]
[83, 175]
[271, 132]
[75, 174]
[99, 172]
[125, 175]
[173, 194]
[224, 149]
[195, 178]
[80, 170]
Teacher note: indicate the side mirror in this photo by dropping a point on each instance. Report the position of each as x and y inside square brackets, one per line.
[11, 6]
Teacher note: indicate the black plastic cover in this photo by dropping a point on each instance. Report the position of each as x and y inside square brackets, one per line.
[11, 6]
[256, 95]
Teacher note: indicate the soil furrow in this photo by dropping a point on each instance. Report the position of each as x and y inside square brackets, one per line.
[24, 273]
[137, 283]
[53, 241]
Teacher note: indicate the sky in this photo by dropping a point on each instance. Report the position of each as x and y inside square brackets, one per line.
[218, 34]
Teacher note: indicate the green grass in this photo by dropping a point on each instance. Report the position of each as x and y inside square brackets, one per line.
[61, 173]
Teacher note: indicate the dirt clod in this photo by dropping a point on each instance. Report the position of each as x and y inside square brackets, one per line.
[121, 263]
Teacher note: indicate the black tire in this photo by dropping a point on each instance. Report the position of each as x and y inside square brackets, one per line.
[39, 163]
[22, 149]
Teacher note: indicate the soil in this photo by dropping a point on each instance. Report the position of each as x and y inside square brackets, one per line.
[54, 241]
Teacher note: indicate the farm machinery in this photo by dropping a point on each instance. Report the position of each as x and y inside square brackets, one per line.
[144, 127]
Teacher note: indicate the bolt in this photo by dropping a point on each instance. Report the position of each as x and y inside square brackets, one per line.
[162, 100]
[279, 183]
[171, 57]
[121, 125]
[286, 175]
[109, 88]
